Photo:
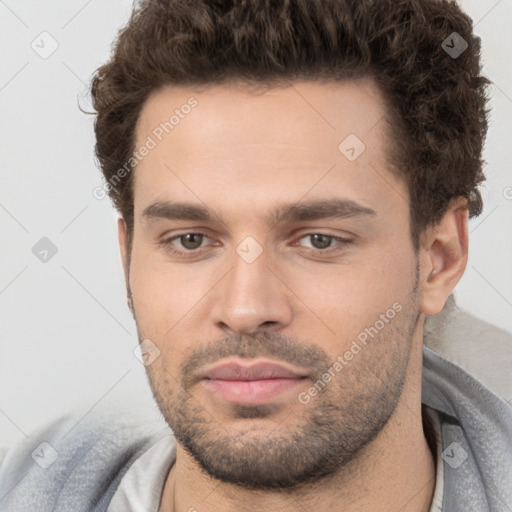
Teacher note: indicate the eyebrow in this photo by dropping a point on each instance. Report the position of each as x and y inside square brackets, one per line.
[288, 212]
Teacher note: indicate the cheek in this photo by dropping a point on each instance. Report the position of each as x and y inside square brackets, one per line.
[342, 301]
[162, 293]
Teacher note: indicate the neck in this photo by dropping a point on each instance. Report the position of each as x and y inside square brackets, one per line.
[395, 471]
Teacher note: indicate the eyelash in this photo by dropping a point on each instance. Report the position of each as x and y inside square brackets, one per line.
[166, 244]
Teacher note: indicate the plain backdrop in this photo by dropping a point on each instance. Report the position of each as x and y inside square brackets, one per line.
[67, 338]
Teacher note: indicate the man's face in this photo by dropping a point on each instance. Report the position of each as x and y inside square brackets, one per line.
[303, 288]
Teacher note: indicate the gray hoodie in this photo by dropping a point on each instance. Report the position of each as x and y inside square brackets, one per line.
[75, 466]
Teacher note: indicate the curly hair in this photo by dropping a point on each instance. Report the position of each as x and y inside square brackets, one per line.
[436, 101]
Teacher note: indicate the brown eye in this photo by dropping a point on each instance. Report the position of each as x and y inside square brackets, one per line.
[322, 243]
[191, 241]
[319, 241]
[185, 244]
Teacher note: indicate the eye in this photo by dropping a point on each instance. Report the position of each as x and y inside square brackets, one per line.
[321, 242]
[189, 242]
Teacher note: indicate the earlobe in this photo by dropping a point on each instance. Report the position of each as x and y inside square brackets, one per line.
[444, 259]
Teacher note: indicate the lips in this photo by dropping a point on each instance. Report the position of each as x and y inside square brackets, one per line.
[251, 383]
[251, 371]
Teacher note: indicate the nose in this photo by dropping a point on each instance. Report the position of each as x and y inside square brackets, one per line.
[251, 297]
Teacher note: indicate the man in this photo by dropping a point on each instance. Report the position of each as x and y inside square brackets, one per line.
[294, 180]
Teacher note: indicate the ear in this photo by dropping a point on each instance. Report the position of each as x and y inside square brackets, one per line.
[123, 249]
[444, 256]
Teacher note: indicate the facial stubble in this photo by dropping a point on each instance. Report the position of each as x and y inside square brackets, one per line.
[316, 440]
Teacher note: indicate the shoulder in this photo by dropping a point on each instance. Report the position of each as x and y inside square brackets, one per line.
[76, 462]
[480, 348]
[467, 380]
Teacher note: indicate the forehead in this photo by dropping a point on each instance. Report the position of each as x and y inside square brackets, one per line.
[239, 146]
[312, 109]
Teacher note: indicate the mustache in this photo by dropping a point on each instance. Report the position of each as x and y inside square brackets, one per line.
[269, 345]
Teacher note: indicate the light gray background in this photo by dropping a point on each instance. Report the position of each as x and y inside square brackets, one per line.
[66, 334]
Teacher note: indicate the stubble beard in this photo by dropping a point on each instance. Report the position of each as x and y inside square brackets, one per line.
[309, 445]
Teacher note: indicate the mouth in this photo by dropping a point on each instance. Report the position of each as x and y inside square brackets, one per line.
[251, 383]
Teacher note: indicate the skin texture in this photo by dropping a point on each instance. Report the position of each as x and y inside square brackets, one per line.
[360, 443]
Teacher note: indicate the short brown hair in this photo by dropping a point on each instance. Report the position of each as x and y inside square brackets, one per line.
[436, 101]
